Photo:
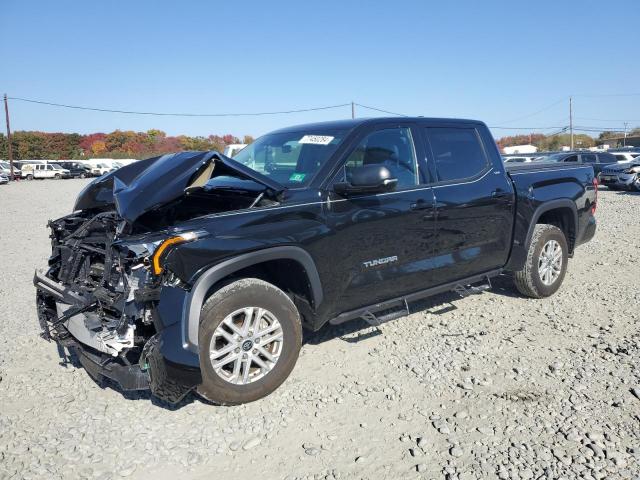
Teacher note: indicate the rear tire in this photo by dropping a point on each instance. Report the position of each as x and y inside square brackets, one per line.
[222, 329]
[546, 263]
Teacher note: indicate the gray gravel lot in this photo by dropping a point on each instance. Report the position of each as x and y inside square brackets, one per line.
[489, 386]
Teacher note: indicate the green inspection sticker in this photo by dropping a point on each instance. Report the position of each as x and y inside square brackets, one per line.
[297, 177]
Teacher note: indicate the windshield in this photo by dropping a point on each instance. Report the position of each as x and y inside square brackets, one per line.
[55, 166]
[291, 158]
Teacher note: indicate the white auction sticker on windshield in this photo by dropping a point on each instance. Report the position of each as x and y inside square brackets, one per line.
[316, 139]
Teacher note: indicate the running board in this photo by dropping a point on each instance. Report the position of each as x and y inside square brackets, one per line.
[386, 316]
[466, 290]
[400, 305]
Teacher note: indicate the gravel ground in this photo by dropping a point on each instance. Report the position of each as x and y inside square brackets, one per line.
[489, 386]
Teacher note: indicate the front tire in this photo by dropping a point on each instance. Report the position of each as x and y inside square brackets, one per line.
[546, 263]
[250, 338]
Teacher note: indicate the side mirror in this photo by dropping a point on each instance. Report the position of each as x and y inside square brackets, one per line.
[367, 179]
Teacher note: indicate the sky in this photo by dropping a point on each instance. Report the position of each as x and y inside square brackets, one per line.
[511, 64]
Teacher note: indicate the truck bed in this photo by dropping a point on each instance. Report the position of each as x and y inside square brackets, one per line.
[541, 186]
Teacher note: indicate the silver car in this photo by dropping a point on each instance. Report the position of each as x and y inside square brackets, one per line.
[621, 176]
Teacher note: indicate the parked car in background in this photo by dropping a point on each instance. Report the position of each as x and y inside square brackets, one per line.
[21, 163]
[5, 167]
[4, 178]
[115, 166]
[100, 169]
[625, 156]
[32, 171]
[622, 176]
[76, 169]
[598, 160]
[517, 158]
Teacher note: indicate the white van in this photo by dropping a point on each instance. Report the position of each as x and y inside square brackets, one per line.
[44, 170]
[231, 150]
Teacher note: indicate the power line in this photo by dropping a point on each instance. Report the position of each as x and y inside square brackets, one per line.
[524, 128]
[607, 120]
[163, 114]
[608, 95]
[239, 114]
[598, 129]
[537, 111]
[383, 111]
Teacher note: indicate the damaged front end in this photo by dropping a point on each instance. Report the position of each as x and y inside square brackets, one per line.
[98, 298]
[101, 295]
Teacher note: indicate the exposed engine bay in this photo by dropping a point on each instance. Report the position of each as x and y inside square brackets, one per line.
[103, 281]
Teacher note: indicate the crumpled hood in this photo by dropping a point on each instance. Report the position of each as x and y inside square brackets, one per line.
[148, 184]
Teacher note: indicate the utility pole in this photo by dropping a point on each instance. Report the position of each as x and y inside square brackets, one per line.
[10, 153]
[353, 110]
[624, 142]
[571, 120]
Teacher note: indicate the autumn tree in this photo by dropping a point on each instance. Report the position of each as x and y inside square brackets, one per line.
[117, 144]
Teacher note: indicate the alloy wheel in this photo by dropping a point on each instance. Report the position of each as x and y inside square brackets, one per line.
[550, 262]
[246, 345]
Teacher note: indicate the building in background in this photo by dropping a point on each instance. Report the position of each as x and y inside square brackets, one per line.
[618, 142]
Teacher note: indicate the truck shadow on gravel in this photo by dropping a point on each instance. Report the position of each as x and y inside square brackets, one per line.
[354, 331]
[71, 359]
[359, 330]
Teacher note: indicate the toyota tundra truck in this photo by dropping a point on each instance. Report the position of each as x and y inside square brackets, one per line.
[197, 272]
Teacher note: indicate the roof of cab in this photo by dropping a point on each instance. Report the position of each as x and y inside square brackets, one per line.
[350, 124]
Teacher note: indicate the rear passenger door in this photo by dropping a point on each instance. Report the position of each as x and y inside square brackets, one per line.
[474, 203]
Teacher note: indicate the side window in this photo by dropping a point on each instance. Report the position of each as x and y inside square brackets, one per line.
[571, 158]
[589, 158]
[391, 147]
[457, 152]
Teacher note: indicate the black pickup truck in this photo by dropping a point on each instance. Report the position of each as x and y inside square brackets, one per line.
[196, 271]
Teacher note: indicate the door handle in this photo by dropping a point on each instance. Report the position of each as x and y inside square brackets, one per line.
[498, 192]
[421, 205]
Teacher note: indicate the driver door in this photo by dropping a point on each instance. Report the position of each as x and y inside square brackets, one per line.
[382, 241]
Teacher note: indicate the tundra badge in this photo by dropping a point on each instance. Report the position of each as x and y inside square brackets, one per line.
[380, 261]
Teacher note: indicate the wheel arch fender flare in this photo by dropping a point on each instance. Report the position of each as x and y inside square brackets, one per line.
[195, 299]
[547, 207]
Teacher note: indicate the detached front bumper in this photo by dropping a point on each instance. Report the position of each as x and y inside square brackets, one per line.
[166, 379]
